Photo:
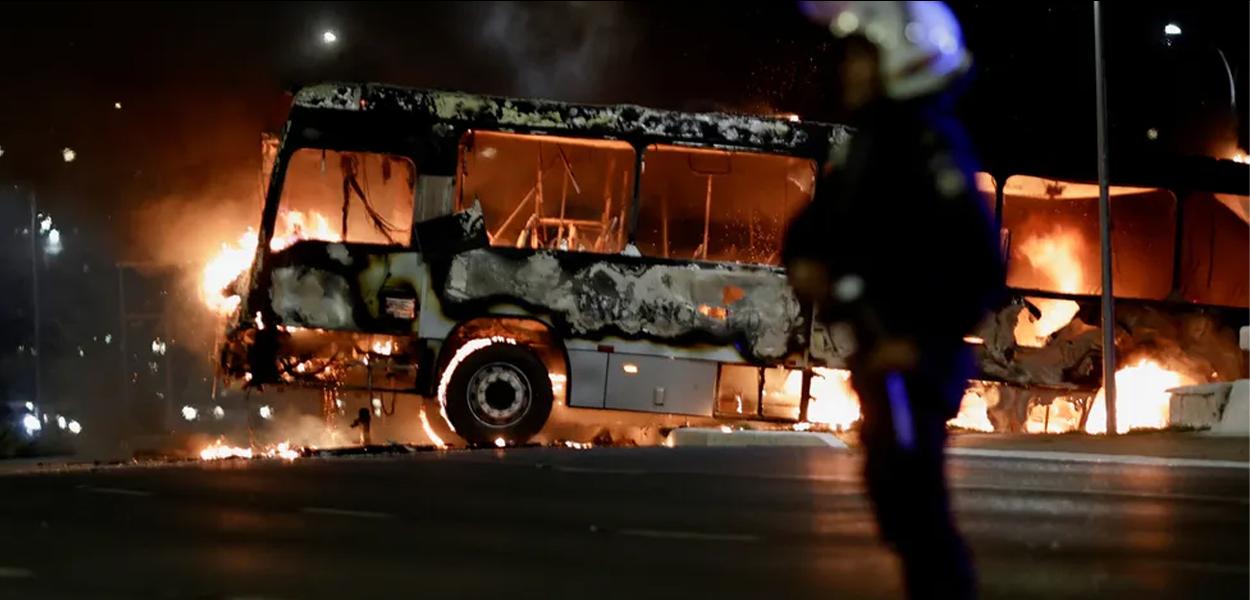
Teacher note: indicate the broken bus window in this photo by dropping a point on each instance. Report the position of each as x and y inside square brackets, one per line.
[348, 196]
[718, 205]
[548, 192]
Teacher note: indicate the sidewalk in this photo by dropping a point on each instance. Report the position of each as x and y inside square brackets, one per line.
[1158, 444]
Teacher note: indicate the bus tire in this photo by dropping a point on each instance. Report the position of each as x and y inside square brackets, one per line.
[500, 392]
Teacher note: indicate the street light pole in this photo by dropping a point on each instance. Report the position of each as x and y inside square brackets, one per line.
[34, 295]
[1104, 228]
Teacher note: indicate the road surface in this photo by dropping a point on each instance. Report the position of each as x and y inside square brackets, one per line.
[605, 523]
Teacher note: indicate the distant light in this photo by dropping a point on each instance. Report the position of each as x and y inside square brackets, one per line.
[68, 154]
[31, 424]
[158, 347]
[45, 224]
[499, 442]
[1152, 134]
[1, 150]
[117, 105]
[1171, 29]
[189, 413]
[218, 412]
[75, 428]
[53, 245]
[60, 422]
[329, 37]
[265, 412]
[30, 406]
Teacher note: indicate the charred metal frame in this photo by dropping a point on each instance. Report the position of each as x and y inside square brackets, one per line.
[427, 127]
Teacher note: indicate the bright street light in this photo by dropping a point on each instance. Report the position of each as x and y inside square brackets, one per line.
[329, 37]
[1171, 29]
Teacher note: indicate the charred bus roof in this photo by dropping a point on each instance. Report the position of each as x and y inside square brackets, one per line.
[448, 114]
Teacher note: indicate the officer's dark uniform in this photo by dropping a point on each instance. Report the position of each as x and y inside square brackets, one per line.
[900, 210]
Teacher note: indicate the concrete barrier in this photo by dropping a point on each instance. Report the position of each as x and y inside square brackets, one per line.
[1198, 406]
[708, 436]
[1236, 416]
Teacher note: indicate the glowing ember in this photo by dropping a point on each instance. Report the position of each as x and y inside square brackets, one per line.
[973, 413]
[283, 451]
[429, 431]
[383, 347]
[220, 451]
[1142, 398]
[234, 259]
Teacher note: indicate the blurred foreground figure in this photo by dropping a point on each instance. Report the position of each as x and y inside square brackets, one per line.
[898, 249]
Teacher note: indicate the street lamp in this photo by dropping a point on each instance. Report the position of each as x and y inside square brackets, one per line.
[1171, 29]
[328, 37]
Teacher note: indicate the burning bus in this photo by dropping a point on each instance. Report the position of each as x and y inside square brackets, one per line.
[508, 255]
[504, 254]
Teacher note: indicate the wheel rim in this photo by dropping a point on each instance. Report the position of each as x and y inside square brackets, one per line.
[499, 395]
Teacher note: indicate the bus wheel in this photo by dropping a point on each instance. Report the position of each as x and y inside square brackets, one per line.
[500, 392]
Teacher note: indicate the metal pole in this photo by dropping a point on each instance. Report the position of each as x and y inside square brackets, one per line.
[37, 349]
[121, 337]
[1104, 227]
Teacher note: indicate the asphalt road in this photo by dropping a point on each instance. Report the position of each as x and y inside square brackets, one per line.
[605, 523]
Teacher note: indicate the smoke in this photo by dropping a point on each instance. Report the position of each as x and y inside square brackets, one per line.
[558, 49]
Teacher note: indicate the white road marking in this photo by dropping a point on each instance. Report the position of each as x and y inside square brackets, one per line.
[15, 573]
[116, 491]
[342, 512]
[1015, 489]
[689, 535]
[604, 471]
[1115, 459]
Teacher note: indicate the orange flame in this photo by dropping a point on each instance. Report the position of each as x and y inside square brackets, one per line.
[234, 259]
[429, 431]
[973, 413]
[833, 403]
[1142, 398]
[220, 450]
[1056, 260]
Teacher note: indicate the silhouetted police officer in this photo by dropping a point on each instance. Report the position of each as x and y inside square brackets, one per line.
[898, 247]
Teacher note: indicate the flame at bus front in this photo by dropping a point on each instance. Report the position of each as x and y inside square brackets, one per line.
[235, 258]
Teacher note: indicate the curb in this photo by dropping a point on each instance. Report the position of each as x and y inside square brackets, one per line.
[709, 437]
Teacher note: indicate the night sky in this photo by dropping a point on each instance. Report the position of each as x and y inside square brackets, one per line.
[198, 82]
[175, 169]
